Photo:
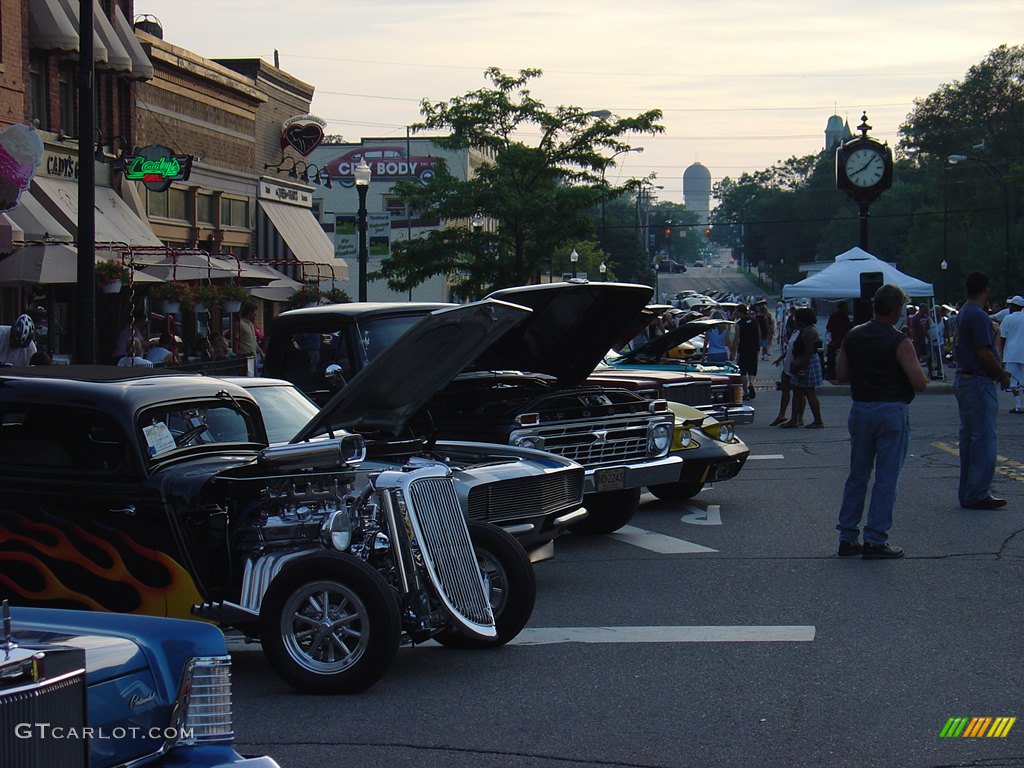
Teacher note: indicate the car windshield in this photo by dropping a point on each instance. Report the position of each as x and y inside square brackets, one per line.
[377, 333]
[169, 427]
[285, 410]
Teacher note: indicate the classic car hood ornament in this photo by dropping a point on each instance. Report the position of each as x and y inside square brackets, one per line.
[572, 327]
[660, 345]
[403, 377]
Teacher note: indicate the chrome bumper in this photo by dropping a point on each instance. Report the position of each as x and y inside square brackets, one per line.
[655, 472]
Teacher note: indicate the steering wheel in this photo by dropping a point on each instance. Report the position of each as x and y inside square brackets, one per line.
[188, 436]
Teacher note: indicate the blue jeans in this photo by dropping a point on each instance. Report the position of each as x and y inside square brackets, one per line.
[977, 401]
[879, 436]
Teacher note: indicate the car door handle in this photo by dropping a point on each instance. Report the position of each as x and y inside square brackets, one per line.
[128, 511]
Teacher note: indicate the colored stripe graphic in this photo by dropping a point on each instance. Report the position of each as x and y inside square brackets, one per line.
[954, 727]
[1001, 727]
[977, 727]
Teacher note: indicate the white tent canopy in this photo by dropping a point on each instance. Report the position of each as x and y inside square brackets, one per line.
[841, 280]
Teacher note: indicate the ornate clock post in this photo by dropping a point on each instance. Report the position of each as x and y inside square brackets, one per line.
[863, 171]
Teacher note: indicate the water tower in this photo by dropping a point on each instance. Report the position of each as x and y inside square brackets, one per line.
[697, 191]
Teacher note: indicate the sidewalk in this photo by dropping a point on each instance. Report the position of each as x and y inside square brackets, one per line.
[765, 369]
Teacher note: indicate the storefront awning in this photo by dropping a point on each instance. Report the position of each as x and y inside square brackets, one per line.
[10, 233]
[99, 52]
[36, 222]
[116, 223]
[49, 27]
[51, 264]
[118, 58]
[142, 67]
[304, 237]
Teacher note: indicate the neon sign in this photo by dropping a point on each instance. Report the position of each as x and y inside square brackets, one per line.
[156, 167]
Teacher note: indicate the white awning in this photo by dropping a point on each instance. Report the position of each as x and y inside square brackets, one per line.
[17, 233]
[49, 27]
[142, 67]
[36, 222]
[118, 58]
[51, 264]
[116, 223]
[304, 237]
[99, 52]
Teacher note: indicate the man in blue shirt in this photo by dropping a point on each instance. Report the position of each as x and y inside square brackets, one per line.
[978, 370]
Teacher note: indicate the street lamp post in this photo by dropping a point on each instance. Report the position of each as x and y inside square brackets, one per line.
[362, 173]
[574, 259]
[603, 269]
[944, 266]
[604, 221]
[954, 159]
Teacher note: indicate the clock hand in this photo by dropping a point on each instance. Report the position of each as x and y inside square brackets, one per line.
[863, 167]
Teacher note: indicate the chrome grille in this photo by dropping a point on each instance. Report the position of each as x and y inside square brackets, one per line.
[60, 703]
[595, 443]
[443, 536]
[525, 496]
[689, 393]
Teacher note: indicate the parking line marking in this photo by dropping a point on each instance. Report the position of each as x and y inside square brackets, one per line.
[1004, 466]
[657, 542]
[697, 516]
[766, 457]
[707, 634]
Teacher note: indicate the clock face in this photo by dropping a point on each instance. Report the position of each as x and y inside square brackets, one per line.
[865, 167]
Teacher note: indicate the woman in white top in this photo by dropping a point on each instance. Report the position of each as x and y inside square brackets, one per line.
[133, 357]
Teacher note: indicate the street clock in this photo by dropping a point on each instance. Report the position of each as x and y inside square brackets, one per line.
[863, 172]
[863, 166]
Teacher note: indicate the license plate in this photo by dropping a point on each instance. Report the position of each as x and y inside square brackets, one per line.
[611, 479]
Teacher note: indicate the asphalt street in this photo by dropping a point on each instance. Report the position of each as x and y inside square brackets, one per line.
[720, 632]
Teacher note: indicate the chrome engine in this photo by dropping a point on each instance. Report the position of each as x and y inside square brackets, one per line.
[407, 524]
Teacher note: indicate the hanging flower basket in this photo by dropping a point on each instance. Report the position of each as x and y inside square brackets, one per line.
[172, 295]
[110, 275]
[232, 296]
[306, 296]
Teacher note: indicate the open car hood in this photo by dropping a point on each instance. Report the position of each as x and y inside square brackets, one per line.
[404, 376]
[662, 344]
[572, 327]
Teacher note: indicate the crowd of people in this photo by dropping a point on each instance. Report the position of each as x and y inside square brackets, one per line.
[132, 349]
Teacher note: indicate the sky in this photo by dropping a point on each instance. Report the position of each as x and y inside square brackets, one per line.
[743, 84]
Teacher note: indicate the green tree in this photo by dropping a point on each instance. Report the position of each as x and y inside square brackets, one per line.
[536, 197]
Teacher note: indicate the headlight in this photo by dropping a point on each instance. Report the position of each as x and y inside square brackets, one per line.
[529, 441]
[685, 438]
[727, 433]
[660, 439]
[336, 530]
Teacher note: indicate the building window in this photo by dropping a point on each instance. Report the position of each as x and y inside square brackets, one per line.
[67, 80]
[204, 209]
[37, 90]
[156, 204]
[234, 213]
[176, 208]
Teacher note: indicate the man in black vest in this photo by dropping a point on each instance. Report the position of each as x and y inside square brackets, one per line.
[883, 371]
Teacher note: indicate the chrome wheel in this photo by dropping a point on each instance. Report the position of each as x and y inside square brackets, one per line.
[325, 627]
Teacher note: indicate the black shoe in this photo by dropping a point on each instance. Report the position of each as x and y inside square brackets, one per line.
[989, 502]
[880, 552]
[849, 548]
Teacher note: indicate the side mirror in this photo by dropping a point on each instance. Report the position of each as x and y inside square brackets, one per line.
[335, 376]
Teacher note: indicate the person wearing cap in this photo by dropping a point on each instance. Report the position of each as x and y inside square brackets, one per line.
[978, 370]
[1012, 331]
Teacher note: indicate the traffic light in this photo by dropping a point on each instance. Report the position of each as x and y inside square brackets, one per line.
[668, 232]
[707, 232]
